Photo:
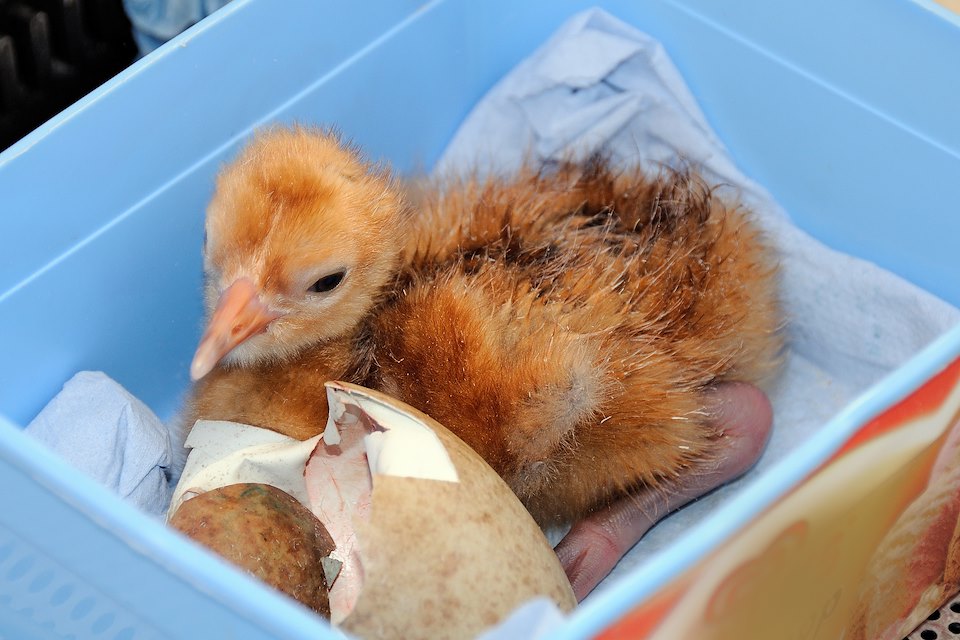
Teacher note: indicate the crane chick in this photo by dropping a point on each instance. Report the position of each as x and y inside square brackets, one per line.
[567, 323]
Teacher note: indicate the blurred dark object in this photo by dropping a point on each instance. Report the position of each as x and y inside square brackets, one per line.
[53, 52]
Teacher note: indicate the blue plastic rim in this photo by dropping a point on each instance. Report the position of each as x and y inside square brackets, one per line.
[103, 218]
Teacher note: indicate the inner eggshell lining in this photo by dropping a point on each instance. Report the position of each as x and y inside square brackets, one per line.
[364, 439]
[396, 444]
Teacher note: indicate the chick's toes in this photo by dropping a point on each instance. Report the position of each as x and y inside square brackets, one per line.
[742, 416]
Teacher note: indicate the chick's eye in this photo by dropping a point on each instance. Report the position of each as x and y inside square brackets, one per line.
[328, 283]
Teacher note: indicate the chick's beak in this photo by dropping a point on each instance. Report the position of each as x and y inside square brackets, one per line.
[240, 314]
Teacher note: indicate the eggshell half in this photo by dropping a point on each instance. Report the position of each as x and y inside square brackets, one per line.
[445, 559]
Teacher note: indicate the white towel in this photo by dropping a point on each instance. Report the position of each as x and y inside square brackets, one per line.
[101, 429]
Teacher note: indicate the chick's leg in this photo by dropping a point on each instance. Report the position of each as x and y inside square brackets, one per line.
[741, 413]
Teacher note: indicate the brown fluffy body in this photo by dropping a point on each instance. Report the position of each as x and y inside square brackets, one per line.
[566, 324]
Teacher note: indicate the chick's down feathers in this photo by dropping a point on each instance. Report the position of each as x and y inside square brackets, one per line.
[568, 323]
[565, 322]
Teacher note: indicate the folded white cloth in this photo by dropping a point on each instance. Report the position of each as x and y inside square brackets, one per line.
[105, 432]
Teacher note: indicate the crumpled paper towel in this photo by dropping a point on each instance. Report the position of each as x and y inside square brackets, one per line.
[108, 434]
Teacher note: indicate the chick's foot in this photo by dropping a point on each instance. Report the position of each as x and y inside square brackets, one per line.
[742, 416]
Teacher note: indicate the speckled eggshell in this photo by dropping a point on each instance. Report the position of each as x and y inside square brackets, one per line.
[265, 531]
[448, 560]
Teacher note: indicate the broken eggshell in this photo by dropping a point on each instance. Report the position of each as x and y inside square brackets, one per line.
[267, 532]
[444, 548]
[432, 543]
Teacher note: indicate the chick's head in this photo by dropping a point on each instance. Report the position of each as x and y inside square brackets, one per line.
[302, 234]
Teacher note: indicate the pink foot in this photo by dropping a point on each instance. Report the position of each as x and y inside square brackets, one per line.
[593, 547]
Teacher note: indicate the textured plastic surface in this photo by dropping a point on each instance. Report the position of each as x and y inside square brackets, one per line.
[845, 111]
[944, 623]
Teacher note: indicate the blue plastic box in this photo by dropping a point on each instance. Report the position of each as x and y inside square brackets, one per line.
[102, 212]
